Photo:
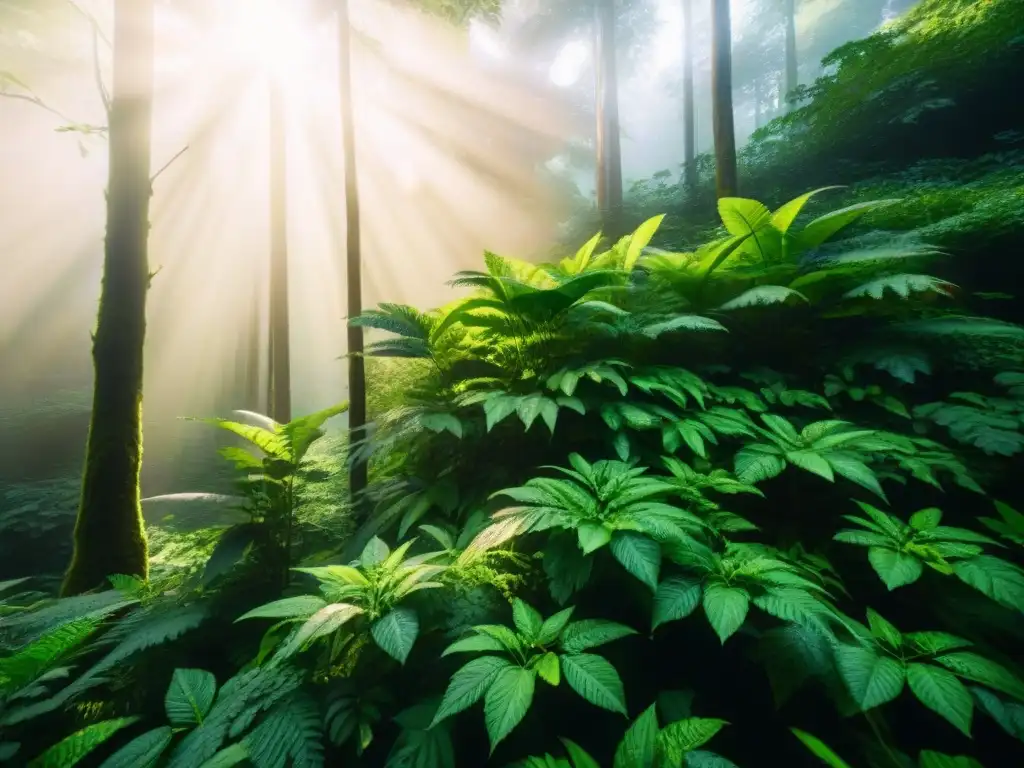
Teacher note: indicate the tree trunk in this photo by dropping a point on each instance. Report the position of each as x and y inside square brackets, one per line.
[689, 117]
[354, 271]
[253, 348]
[792, 76]
[609, 151]
[721, 95]
[109, 534]
[279, 400]
[758, 116]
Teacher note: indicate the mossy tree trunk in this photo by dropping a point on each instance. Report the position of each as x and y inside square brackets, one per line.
[689, 117]
[726, 182]
[109, 533]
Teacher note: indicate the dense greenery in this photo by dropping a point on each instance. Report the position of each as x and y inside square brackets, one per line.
[632, 482]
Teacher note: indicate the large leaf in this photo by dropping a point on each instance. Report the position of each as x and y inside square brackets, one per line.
[825, 227]
[595, 679]
[726, 609]
[639, 554]
[189, 697]
[896, 569]
[71, 750]
[639, 240]
[682, 736]
[591, 633]
[395, 632]
[297, 607]
[469, 684]
[820, 749]
[639, 746]
[940, 691]
[785, 215]
[507, 701]
[871, 678]
[675, 598]
[143, 751]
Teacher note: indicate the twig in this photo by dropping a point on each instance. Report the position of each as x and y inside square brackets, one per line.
[92, 20]
[33, 99]
[97, 72]
[167, 165]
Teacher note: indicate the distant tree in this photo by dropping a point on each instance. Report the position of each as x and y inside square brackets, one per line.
[792, 64]
[609, 149]
[689, 117]
[726, 182]
[109, 534]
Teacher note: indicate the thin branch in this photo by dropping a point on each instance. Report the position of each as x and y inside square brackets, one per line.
[92, 21]
[97, 36]
[167, 165]
[33, 99]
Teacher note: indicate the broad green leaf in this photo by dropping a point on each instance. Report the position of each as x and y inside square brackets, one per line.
[474, 643]
[940, 691]
[935, 642]
[527, 620]
[926, 519]
[298, 607]
[324, 622]
[676, 598]
[189, 697]
[374, 553]
[582, 635]
[229, 757]
[978, 669]
[820, 749]
[639, 746]
[825, 227]
[548, 668]
[469, 684]
[639, 240]
[742, 216]
[726, 609]
[872, 679]
[143, 751]
[785, 215]
[883, 630]
[592, 536]
[639, 554]
[896, 569]
[929, 759]
[579, 757]
[595, 679]
[682, 736]
[395, 632]
[507, 701]
[553, 626]
[71, 750]
[998, 579]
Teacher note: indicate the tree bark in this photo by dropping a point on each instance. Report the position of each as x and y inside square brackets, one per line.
[109, 533]
[792, 72]
[609, 150]
[689, 116]
[279, 400]
[354, 272]
[726, 182]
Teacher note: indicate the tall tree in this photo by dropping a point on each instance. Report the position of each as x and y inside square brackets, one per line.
[609, 150]
[792, 72]
[689, 117]
[109, 534]
[356, 365]
[726, 183]
[279, 398]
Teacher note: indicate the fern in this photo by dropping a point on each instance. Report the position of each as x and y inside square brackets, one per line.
[290, 735]
[73, 749]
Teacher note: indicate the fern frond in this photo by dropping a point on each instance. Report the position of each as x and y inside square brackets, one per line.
[399, 319]
[30, 662]
[289, 736]
[70, 751]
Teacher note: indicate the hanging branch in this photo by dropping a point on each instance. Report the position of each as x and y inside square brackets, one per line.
[168, 164]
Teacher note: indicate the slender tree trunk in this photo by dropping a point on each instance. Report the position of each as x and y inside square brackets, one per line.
[279, 400]
[726, 182]
[792, 76]
[689, 116]
[609, 150]
[253, 348]
[109, 534]
[353, 251]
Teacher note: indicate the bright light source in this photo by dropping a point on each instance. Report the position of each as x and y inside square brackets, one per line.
[568, 65]
[269, 36]
[483, 39]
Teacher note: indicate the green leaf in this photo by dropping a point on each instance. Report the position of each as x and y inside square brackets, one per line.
[700, 758]
[726, 609]
[507, 701]
[141, 752]
[820, 749]
[935, 642]
[676, 598]
[896, 569]
[474, 643]
[548, 668]
[785, 215]
[298, 607]
[825, 227]
[998, 579]
[324, 622]
[638, 747]
[592, 536]
[978, 669]
[580, 759]
[926, 519]
[229, 757]
[639, 240]
[682, 736]
[527, 620]
[872, 679]
[742, 216]
[74, 748]
[762, 295]
[639, 554]
[940, 691]
[553, 626]
[395, 632]
[883, 630]
[468, 685]
[929, 759]
[595, 679]
[190, 697]
[591, 633]
[374, 553]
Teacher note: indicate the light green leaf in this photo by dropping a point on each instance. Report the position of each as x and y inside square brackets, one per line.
[820, 749]
[676, 598]
[940, 691]
[896, 569]
[298, 607]
[883, 630]
[189, 697]
[639, 746]
[682, 736]
[141, 752]
[726, 609]
[548, 668]
[324, 622]
[474, 643]
[592, 536]
[785, 215]
[395, 632]
[374, 553]
[591, 633]
[579, 757]
[639, 240]
[527, 620]
[872, 679]
[506, 702]
[469, 684]
[998, 579]
[926, 519]
[595, 679]
[639, 554]
[553, 626]
[71, 750]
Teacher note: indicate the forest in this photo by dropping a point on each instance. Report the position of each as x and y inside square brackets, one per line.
[515, 383]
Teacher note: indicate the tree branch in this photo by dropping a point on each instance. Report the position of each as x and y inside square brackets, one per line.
[33, 99]
[97, 36]
[167, 165]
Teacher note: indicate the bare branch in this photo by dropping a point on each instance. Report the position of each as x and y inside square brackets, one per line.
[97, 70]
[33, 99]
[92, 21]
[167, 165]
